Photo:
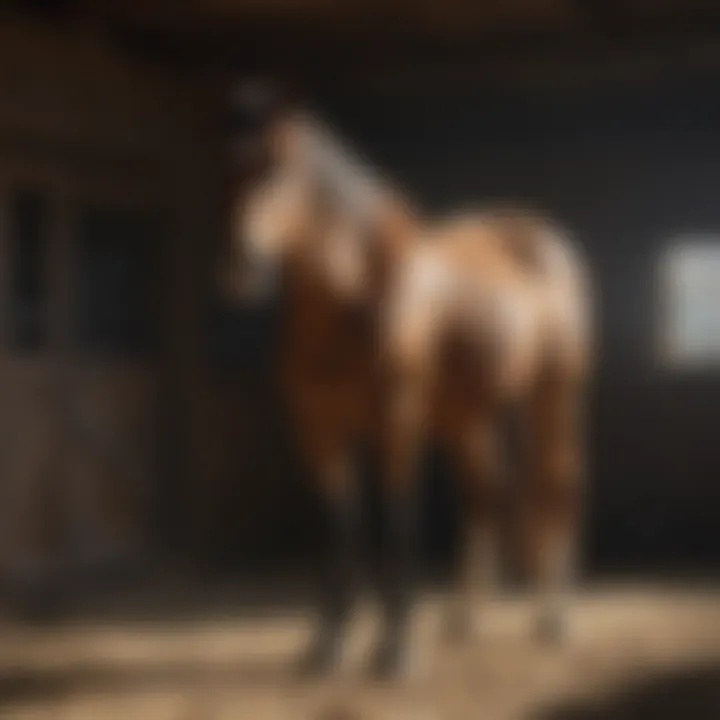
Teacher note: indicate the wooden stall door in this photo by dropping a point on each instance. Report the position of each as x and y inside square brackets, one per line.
[116, 328]
[29, 431]
[81, 335]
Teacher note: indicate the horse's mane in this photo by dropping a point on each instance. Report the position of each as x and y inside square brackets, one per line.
[358, 188]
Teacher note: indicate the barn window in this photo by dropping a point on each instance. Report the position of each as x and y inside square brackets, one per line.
[28, 281]
[691, 303]
[118, 287]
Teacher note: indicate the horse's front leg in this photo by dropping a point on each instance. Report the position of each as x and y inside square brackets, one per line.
[402, 445]
[333, 467]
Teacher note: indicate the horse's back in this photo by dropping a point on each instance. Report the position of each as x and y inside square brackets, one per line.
[516, 283]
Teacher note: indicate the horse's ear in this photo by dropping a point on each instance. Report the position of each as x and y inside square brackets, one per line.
[258, 104]
[254, 106]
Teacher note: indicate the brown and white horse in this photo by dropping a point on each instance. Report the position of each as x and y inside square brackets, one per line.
[396, 332]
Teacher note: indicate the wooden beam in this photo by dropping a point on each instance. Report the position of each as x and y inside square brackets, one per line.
[197, 15]
[265, 48]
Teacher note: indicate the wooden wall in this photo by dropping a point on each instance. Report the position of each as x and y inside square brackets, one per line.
[95, 443]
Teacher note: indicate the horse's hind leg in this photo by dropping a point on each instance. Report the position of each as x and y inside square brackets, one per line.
[338, 495]
[479, 464]
[552, 499]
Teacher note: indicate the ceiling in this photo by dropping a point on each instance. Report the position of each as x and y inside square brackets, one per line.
[372, 36]
[432, 18]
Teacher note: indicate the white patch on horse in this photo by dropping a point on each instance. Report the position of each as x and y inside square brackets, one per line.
[513, 315]
[511, 326]
[426, 276]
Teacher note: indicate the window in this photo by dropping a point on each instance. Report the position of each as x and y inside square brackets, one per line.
[28, 281]
[119, 286]
[690, 286]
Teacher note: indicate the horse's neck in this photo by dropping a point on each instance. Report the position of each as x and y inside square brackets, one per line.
[380, 223]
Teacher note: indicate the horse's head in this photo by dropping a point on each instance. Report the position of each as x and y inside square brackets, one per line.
[313, 205]
[272, 213]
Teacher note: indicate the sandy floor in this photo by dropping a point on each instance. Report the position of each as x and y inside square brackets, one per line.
[226, 664]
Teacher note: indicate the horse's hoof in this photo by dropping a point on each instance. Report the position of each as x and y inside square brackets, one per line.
[322, 658]
[391, 661]
[552, 629]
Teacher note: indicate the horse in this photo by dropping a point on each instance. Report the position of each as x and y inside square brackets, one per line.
[400, 330]
[325, 229]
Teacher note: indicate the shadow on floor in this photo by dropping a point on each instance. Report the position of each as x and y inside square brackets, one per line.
[21, 686]
[690, 692]
[156, 600]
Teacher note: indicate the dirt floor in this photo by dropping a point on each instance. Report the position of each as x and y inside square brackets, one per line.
[634, 653]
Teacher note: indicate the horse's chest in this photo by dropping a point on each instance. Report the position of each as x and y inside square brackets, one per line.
[329, 359]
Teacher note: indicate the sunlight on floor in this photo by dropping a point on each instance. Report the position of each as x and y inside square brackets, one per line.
[230, 666]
